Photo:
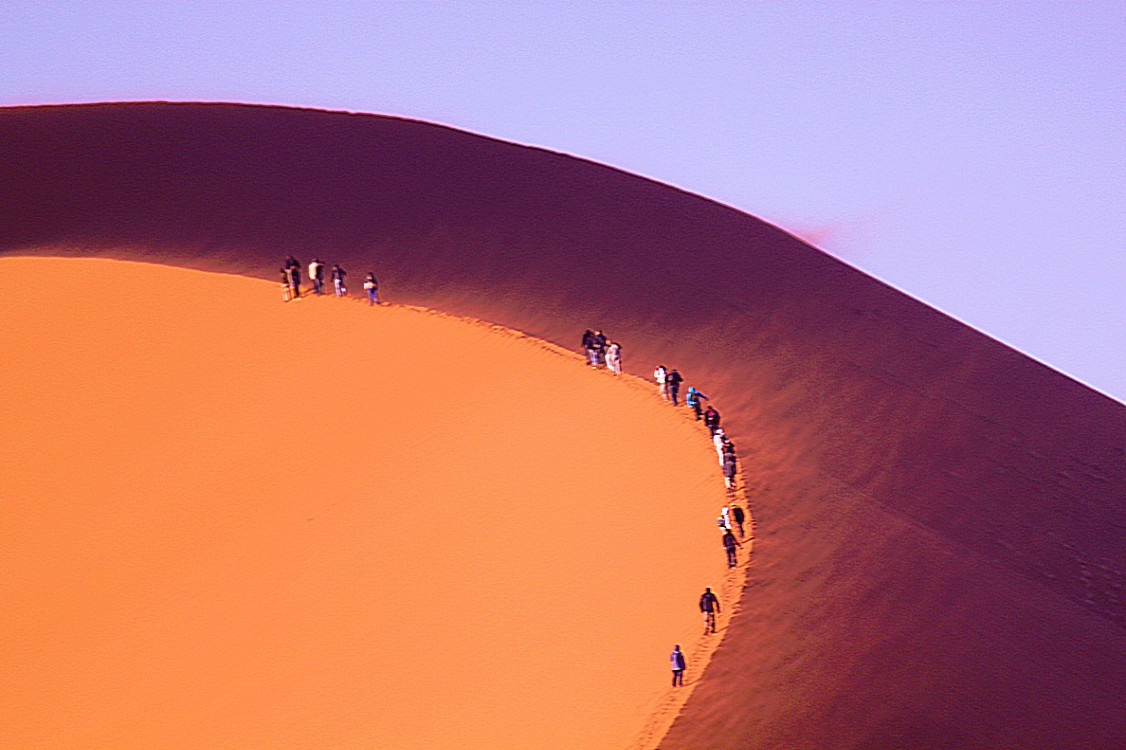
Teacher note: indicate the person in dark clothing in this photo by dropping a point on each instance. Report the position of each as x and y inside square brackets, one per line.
[673, 381]
[588, 337]
[728, 447]
[711, 420]
[293, 272]
[338, 275]
[678, 666]
[729, 544]
[709, 605]
[598, 347]
[287, 287]
[739, 516]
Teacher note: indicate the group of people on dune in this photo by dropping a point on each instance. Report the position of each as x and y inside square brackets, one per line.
[600, 351]
[291, 280]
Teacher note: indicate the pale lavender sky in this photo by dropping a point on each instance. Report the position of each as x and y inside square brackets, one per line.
[971, 154]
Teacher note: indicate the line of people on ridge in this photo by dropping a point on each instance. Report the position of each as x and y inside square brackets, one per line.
[291, 280]
[600, 351]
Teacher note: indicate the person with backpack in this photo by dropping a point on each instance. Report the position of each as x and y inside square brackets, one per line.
[661, 375]
[673, 381]
[711, 420]
[338, 275]
[694, 398]
[371, 286]
[678, 666]
[709, 605]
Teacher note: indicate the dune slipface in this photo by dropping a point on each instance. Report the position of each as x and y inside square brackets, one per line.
[233, 522]
[940, 522]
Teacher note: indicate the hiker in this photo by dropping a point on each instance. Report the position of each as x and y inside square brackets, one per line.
[711, 419]
[729, 545]
[287, 288]
[317, 276]
[673, 380]
[729, 472]
[693, 399]
[661, 375]
[678, 666]
[709, 605]
[718, 439]
[740, 517]
[598, 348]
[723, 522]
[587, 350]
[371, 286]
[293, 273]
[338, 275]
[614, 357]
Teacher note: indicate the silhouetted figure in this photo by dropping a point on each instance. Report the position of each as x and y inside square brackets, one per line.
[739, 516]
[673, 381]
[287, 287]
[709, 605]
[661, 375]
[293, 272]
[338, 275]
[317, 276]
[588, 350]
[371, 286]
[678, 666]
[711, 420]
[695, 399]
[614, 357]
[729, 545]
[598, 348]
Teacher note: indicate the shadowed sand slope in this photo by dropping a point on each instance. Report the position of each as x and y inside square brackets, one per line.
[234, 523]
[941, 523]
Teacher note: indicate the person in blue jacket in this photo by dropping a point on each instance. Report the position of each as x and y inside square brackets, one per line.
[695, 399]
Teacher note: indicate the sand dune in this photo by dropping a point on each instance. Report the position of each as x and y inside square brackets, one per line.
[233, 522]
[940, 519]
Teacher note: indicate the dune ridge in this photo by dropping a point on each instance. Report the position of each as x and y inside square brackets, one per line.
[939, 518]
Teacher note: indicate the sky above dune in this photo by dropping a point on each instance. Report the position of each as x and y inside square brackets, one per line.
[971, 154]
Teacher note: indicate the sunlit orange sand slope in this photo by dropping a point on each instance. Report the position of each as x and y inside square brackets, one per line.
[231, 522]
[940, 521]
